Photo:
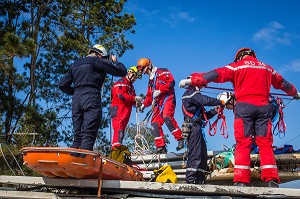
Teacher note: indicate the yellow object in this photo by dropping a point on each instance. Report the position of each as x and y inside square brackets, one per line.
[165, 174]
[135, 72]
[120, 154]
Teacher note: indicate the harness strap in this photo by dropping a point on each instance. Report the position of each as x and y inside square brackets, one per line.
[205, 117]
[146, 120]
[186, 112]
[163, 104]
[280, 124]
[197, 114]
[223, 127]
[154, 88]
[154, 83]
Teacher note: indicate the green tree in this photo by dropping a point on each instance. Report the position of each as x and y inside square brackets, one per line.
[81, 24]
[39, 40]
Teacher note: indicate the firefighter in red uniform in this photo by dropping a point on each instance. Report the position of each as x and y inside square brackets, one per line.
[161, 96]
[251, 80]
[123, 98]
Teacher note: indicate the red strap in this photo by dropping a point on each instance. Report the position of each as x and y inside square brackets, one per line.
[281, 123]
[204, 116]
[213, 126]
[223, 127]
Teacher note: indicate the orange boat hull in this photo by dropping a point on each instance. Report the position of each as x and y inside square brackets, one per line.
[57, 162]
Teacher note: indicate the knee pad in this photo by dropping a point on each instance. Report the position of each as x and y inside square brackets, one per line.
[155, 129]
[169, 123]
[121, 136]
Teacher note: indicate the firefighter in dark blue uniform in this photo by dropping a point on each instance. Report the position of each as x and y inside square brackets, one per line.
[193, 103]
[84, 81]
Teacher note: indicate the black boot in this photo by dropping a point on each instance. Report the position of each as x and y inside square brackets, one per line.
[81, 155]
[272, 184]
[240, 184]
[161, 150]
[74, 154]
[180, 145]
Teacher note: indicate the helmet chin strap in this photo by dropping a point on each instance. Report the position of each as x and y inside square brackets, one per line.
[130, 78]
[152, 72]
[151, 67]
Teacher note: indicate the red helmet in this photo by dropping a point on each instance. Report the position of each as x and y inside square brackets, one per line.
[242, 52]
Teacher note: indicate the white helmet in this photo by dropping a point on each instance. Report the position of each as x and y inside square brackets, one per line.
[99, 49]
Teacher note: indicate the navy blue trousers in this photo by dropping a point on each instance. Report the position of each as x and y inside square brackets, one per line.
[86, 116]
[197, 157]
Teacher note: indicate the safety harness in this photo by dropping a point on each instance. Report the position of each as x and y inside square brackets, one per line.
[188, 124]
[153, 86]
[281, 125]
[214, 125]
[223, 128]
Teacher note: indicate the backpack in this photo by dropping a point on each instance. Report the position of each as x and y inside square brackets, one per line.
[121, 154]
[165, 174]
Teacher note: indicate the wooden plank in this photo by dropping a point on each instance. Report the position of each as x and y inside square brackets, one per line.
[226, 174]
[288, 158]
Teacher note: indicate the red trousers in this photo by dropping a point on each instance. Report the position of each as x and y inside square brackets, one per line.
[120, 115]
[253, 122]
[164, 113]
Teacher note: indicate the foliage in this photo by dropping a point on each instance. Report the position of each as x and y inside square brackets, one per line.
[39, 40]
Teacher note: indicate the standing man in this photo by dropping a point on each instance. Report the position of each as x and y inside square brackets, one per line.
[161, 96]
[193, 103]
[252, 80]
[84, 81]
[123, 98]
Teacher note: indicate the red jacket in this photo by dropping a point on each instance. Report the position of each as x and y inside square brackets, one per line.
[123, 93]
[163, 81]
[251, 79]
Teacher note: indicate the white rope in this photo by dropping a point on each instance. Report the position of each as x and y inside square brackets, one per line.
[13, 157]
[141, 146]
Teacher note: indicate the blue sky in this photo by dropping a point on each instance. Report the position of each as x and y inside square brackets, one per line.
[197, 36]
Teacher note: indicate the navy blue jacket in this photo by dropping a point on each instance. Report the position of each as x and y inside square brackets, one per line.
[193, 102]
[89, 72]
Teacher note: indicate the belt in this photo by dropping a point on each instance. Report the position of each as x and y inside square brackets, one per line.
[86, 86]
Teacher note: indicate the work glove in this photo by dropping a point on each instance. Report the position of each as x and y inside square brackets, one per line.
[113, 58]
[156, 93]
[142, 107]
[297, 96]
[184, 82]
[153, 104]
[224, 97]
[138, 99]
